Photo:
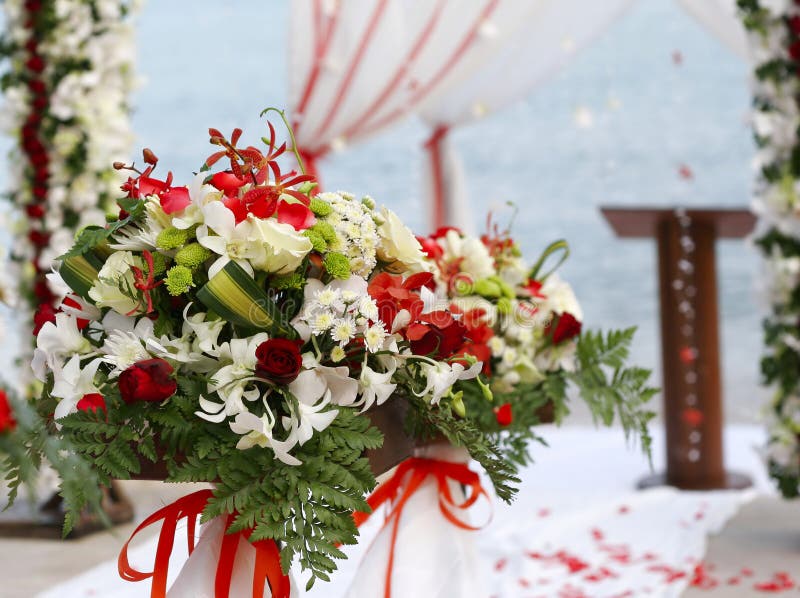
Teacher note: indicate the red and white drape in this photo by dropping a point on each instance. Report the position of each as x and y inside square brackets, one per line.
[359, 67]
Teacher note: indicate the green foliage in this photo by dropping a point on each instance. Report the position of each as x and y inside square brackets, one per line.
[92, 237]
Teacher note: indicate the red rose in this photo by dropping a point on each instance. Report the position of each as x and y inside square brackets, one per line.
[35, 63]
[34, 210]
[437, 334]
[7, 421]
[504, 415]
[92, 402]
[148, 380]
[279, 360]
[566, 328]
[45, 313]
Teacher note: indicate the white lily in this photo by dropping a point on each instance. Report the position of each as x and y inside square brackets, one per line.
[231, 241]
[442, 376]
[71, 383]
[257, 431]
[55, 341]
[375, 387]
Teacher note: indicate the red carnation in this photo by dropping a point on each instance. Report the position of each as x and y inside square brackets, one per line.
[279, 360]
[92, 402]
[148, 380]
[7, 421]
[566, 328]
[504, 415]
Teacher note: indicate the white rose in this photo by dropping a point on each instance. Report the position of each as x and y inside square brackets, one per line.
[398, 246]
[114, 276]
[284, 247]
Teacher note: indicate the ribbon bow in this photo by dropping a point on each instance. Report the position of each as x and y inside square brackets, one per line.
[407, 479]
[267, 565]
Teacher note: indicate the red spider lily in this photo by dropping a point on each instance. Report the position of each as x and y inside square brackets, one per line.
[393, 295]
[145, 284]
[496, 241]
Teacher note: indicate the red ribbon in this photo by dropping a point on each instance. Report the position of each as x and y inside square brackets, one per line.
[407, 479]
[267, 566]
[438, 177]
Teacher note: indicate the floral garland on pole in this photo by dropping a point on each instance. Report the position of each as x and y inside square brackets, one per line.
[774, 28]
[66, 87]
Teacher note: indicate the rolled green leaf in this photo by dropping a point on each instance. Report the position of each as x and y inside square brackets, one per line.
[80, 273]
[234, 295]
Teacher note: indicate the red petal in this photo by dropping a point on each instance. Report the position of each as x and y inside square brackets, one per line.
[296, 214]
[175, 199]
[227, 182]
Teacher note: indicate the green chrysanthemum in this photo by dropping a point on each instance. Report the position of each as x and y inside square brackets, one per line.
[316, 240]
[192, 255]
[179, 280]
[320, 207]
[326, 231]
[159, 264]
[173, 238]
[289, 281]
[337, 265]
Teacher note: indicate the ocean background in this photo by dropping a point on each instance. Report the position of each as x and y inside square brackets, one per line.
[613, 128]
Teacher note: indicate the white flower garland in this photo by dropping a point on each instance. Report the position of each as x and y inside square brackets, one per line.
[70, 73]
[774, 26]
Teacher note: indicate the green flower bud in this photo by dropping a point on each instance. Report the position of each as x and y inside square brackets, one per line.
[487, 392]
[458, 403]
[179, 280]
[192, 256]
[368, 201]
[489, 288]
[337, 265]
[320, 207]
[172, 238]
[504, 305]
[316, 240]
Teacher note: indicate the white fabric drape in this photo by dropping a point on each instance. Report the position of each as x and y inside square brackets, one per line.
[359, 67]
[720, 18]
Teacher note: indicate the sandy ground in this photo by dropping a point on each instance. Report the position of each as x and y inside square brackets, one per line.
[30, 566]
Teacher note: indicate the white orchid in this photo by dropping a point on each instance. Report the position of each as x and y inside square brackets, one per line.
[72, 382]
[312, 396]
[441, 377]
[231, 381]
[257, 431]
[55, 342]
[376, 387]
[231, 241]
[316, 379]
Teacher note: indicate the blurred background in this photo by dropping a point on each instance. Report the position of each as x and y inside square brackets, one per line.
[653, 119]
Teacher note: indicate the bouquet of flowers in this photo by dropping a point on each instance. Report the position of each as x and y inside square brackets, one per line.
[524, 324]
[239, 330]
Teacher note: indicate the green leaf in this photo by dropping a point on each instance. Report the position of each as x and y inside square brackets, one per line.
[80, 273]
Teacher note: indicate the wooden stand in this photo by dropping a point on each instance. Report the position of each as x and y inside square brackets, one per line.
[694, 444]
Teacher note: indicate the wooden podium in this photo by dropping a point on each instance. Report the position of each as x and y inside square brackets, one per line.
[689, 336]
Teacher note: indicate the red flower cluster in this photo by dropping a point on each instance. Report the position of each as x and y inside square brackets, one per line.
[149, 380]
[7, 421]
[278, 360]
[263, 200]
[395, 296]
